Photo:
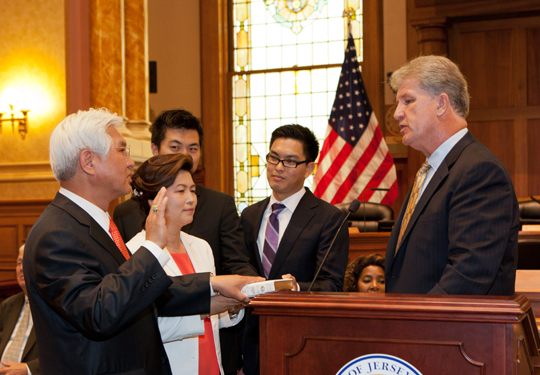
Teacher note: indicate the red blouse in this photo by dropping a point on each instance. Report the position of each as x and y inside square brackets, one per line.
[208, 362]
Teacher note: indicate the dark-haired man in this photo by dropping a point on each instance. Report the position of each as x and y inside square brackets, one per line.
[215, 220]
[288, 233]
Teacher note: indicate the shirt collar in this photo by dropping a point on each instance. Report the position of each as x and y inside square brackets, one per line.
[289, 202]
[100, 216]
[440, 153]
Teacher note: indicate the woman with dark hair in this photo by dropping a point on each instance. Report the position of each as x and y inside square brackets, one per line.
[365, 274]
[191, 342]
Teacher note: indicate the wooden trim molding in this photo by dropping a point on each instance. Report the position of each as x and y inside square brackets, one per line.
[26, 172]
[373, 60]
[16, 220]
[215, 96]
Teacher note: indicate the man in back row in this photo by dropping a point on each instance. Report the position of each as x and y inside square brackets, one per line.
[215, 220]
[17, 336]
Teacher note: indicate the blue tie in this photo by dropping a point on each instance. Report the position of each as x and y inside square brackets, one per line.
[271, 238]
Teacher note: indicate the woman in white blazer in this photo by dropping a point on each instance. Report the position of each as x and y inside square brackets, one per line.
[180, 335]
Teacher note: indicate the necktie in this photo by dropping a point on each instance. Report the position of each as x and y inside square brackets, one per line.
[12, 353]
[271, 238]
[418, 182]
[117, 238]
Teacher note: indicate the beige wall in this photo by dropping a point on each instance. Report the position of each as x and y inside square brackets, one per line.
[395, 40]
[32, 60]
[174, 42]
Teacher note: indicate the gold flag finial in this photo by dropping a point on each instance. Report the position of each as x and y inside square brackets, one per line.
[350, 14]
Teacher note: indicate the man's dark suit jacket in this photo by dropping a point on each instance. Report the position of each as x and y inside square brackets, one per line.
[10, 309]
[216, 221]
[462, 236]
[94, 311]
[311, 229]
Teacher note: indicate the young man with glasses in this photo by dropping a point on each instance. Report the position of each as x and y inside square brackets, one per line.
[287, 234]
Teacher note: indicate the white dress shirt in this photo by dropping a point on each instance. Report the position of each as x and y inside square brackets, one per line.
[103, 219]
[284, 216]
[439, 155]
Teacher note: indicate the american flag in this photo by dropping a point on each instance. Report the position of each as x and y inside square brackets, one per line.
[354, 158]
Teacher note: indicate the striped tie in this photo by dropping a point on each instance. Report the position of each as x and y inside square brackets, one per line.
[17, 344]
[117, 238]
[418, 182]
[271, 238]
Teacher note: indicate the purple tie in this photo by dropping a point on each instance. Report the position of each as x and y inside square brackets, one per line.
[271, 238]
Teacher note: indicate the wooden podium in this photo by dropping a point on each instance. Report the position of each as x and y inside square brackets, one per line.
[318, 333]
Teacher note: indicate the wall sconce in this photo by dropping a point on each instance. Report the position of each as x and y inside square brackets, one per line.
[10, 96]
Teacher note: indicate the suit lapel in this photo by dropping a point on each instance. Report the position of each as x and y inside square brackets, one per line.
[299, 220]
[436, 180]
[11, 320]
[258, 213]
[95, 230]
[29, 343]
[392, 240]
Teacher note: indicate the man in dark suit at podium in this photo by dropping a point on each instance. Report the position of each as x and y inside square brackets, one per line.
[289, 233]
[17, 337]
[457, 230]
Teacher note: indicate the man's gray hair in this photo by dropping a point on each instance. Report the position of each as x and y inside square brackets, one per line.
[84, 130]
[436, 75]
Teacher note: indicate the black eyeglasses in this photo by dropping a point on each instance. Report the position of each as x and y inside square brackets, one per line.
[286, 163]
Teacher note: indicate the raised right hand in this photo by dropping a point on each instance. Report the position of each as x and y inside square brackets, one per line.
[156, 226]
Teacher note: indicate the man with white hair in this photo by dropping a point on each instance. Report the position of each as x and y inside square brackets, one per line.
[17, 336]
[457, 230]
[94, 303]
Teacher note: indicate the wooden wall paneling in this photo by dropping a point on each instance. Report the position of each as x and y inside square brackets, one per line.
[16, 220]
[533, 137]
[520, 68]
[494, 57]
[402, 173]
[521, 160]
[486, 62]
[10, 239]
[430, 9]
[495, 43]
[533, 72]
[498, 136]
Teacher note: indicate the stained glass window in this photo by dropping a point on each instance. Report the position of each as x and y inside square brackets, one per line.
[287, 61]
